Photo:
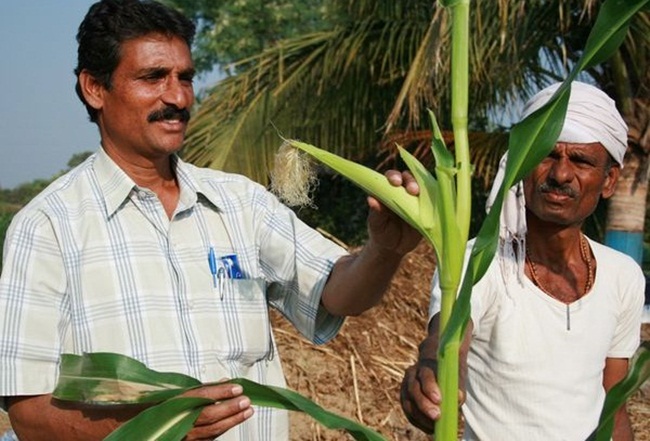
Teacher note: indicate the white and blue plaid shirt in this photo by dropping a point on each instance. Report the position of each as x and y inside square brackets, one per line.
[94, 264]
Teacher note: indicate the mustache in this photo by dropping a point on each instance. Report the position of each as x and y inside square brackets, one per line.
[550, 186]
[169, 112]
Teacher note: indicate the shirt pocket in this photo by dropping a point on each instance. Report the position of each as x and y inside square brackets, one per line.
[245, 334]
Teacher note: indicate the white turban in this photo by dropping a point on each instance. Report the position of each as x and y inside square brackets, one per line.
[591, 117]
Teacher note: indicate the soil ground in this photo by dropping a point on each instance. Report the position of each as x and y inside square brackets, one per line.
[358, 374]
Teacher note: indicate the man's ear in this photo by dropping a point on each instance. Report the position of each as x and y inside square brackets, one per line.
[610, 181]
[92, 90]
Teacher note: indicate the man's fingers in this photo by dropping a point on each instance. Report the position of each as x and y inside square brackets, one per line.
[426, 379]
[417, 398]
[222, 410]
[230, 409]
[396, 178]
[410, 184]
[404, 179]
[374, 204]
[216, 392]
[220, 417]
[417, 418]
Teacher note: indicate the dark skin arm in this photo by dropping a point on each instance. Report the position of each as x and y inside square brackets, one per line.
[420, 395]
[359, 281]
[615, 370]
[41, 417]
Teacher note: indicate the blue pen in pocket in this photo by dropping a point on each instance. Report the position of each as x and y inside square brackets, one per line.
[223, 268]
[212, 262]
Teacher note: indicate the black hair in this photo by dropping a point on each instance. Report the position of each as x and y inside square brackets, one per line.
[109, 23]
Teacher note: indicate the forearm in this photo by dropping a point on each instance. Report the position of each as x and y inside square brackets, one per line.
[41, 417]
[622, 426]
[428, 350]
[358, 282]
[615, 370]
[428, 347]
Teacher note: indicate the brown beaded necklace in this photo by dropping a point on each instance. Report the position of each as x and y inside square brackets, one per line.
[586, 258]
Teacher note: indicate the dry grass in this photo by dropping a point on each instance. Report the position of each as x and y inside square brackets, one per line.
[358, 374]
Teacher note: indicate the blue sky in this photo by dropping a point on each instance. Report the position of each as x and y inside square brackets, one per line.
[42, 122]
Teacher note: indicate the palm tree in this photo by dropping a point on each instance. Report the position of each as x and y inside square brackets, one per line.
[629, 76]
[362, 86]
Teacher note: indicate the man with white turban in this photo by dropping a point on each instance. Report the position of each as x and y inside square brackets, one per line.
[557, 316]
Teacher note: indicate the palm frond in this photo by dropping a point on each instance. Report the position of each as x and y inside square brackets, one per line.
[372, 76]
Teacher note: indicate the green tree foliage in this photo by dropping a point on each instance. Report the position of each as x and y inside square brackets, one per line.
[77, 159]
[5, 220]
[232, 30]
[22, 194]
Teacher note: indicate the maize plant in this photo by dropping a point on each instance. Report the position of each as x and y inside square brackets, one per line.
[441, 213]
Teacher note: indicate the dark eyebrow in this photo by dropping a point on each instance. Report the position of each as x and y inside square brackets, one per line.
[153, 71]
[158, 71]
[191, 72]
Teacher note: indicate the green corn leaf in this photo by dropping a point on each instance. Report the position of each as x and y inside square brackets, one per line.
[430, 216]
[638, 374]
[104, 378]
[167, 421]
[532, 139]
[441, 155]
[446, 173]
[107, 379]
[545, 125]
[609, 30]
[271, 396]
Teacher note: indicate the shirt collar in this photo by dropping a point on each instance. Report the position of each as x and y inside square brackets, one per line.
[117, 186]
[193, 182]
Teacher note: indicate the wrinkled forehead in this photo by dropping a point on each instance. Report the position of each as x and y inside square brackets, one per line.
[587, 148]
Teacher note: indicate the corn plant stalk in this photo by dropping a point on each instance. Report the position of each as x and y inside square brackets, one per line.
[450, 268]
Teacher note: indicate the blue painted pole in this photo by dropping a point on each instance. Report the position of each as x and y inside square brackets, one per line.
[628, 242]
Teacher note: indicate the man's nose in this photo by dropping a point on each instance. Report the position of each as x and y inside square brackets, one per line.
[562, 171]
[178, 93]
